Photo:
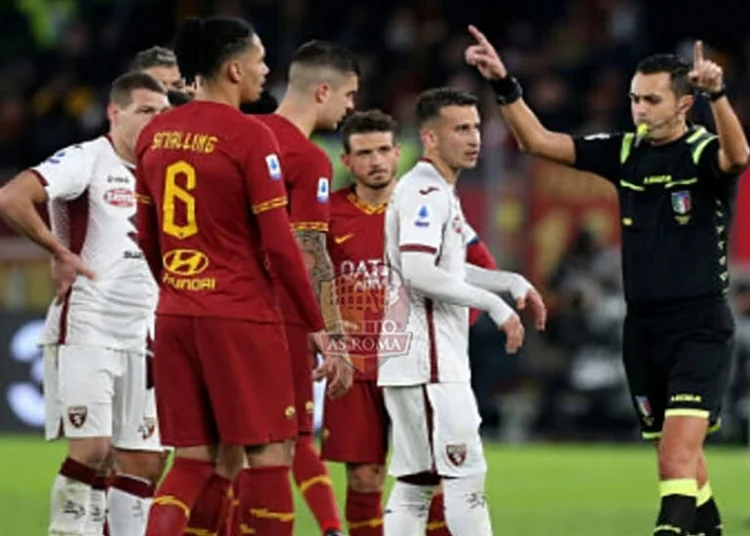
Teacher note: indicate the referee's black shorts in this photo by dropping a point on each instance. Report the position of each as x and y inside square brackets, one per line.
[677, 361]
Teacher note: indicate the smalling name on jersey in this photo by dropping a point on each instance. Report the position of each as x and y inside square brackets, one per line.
[184, 141]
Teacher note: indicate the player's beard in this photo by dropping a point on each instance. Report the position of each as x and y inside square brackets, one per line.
[377, 185]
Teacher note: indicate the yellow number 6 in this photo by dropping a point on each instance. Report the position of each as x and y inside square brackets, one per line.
[174, 192]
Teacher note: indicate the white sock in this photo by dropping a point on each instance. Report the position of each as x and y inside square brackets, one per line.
[97, 513]
[69, 507]
[407, 510]
[127, 513]
[466, 512]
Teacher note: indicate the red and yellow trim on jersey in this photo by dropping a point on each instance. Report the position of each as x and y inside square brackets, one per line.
[265, 206]
[143, 199]
[320, 226]
[366, 207]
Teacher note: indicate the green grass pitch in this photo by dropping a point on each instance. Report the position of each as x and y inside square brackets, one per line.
[532, 489]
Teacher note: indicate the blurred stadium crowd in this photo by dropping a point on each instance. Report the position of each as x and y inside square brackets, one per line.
[574, 58]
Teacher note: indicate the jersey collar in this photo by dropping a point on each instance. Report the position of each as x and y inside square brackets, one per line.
[365, 207]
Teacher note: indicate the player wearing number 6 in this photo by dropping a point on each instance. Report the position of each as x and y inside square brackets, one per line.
[213, 226]
[95, 332]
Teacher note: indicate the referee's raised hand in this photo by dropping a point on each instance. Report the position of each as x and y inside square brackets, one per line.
[484, 57]
[706, 75]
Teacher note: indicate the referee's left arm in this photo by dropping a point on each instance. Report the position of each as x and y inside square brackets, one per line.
[733, 148]
[707, 76]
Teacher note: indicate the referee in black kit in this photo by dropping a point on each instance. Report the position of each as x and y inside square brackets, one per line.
[675, 184]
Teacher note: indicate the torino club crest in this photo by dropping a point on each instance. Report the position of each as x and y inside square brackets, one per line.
[374, 306]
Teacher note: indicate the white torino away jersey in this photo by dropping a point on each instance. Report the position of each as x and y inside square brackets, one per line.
[424, 214]
[92, 211]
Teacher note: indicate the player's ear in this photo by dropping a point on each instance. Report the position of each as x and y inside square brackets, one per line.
[234, 71]
[346, 159]
[686, 103]
[397, 151]
[428, 137]
[322, 92]
[112, 112]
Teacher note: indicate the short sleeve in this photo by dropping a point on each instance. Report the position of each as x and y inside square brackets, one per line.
[264, 180]
[601, 154]
[309, 194]
[707, 156]
[66, 174]
[422, 218]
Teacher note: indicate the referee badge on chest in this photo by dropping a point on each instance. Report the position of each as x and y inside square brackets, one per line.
[682, 205]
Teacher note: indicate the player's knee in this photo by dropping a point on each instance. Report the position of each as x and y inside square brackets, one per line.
[90, 451]
[677, 460]
[143, 464]
[203, 453]
[366, 478]
[272, 454]
[230, 461]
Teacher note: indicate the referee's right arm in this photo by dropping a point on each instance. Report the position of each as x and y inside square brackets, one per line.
[532, 137]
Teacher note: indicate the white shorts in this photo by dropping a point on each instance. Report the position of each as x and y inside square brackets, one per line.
[92, 391]
[435, 428]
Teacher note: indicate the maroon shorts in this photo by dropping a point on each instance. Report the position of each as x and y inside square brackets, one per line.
[222, 381]
[355, 426]
[302, 367]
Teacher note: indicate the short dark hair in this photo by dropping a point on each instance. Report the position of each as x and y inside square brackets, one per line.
[430, 102]
[677, 68]
[153, 57]
[122, 88]
[365, 122]
[319, 53]
[203, 45]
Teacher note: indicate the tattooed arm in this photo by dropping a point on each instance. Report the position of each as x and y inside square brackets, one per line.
[322, 275]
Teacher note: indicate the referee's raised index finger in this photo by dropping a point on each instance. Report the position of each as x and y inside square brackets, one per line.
[479, 36]
[697, 52]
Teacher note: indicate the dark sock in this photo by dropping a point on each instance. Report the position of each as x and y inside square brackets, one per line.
[707, 517]
[677, 513]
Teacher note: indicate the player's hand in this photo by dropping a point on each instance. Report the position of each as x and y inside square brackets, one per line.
[66, 266]
[706, 75]
[533, 302]
[338, 373]
[514, 333]
[484, 57]
[336, 367]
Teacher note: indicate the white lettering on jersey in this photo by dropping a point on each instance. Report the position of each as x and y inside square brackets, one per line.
[370, 274]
